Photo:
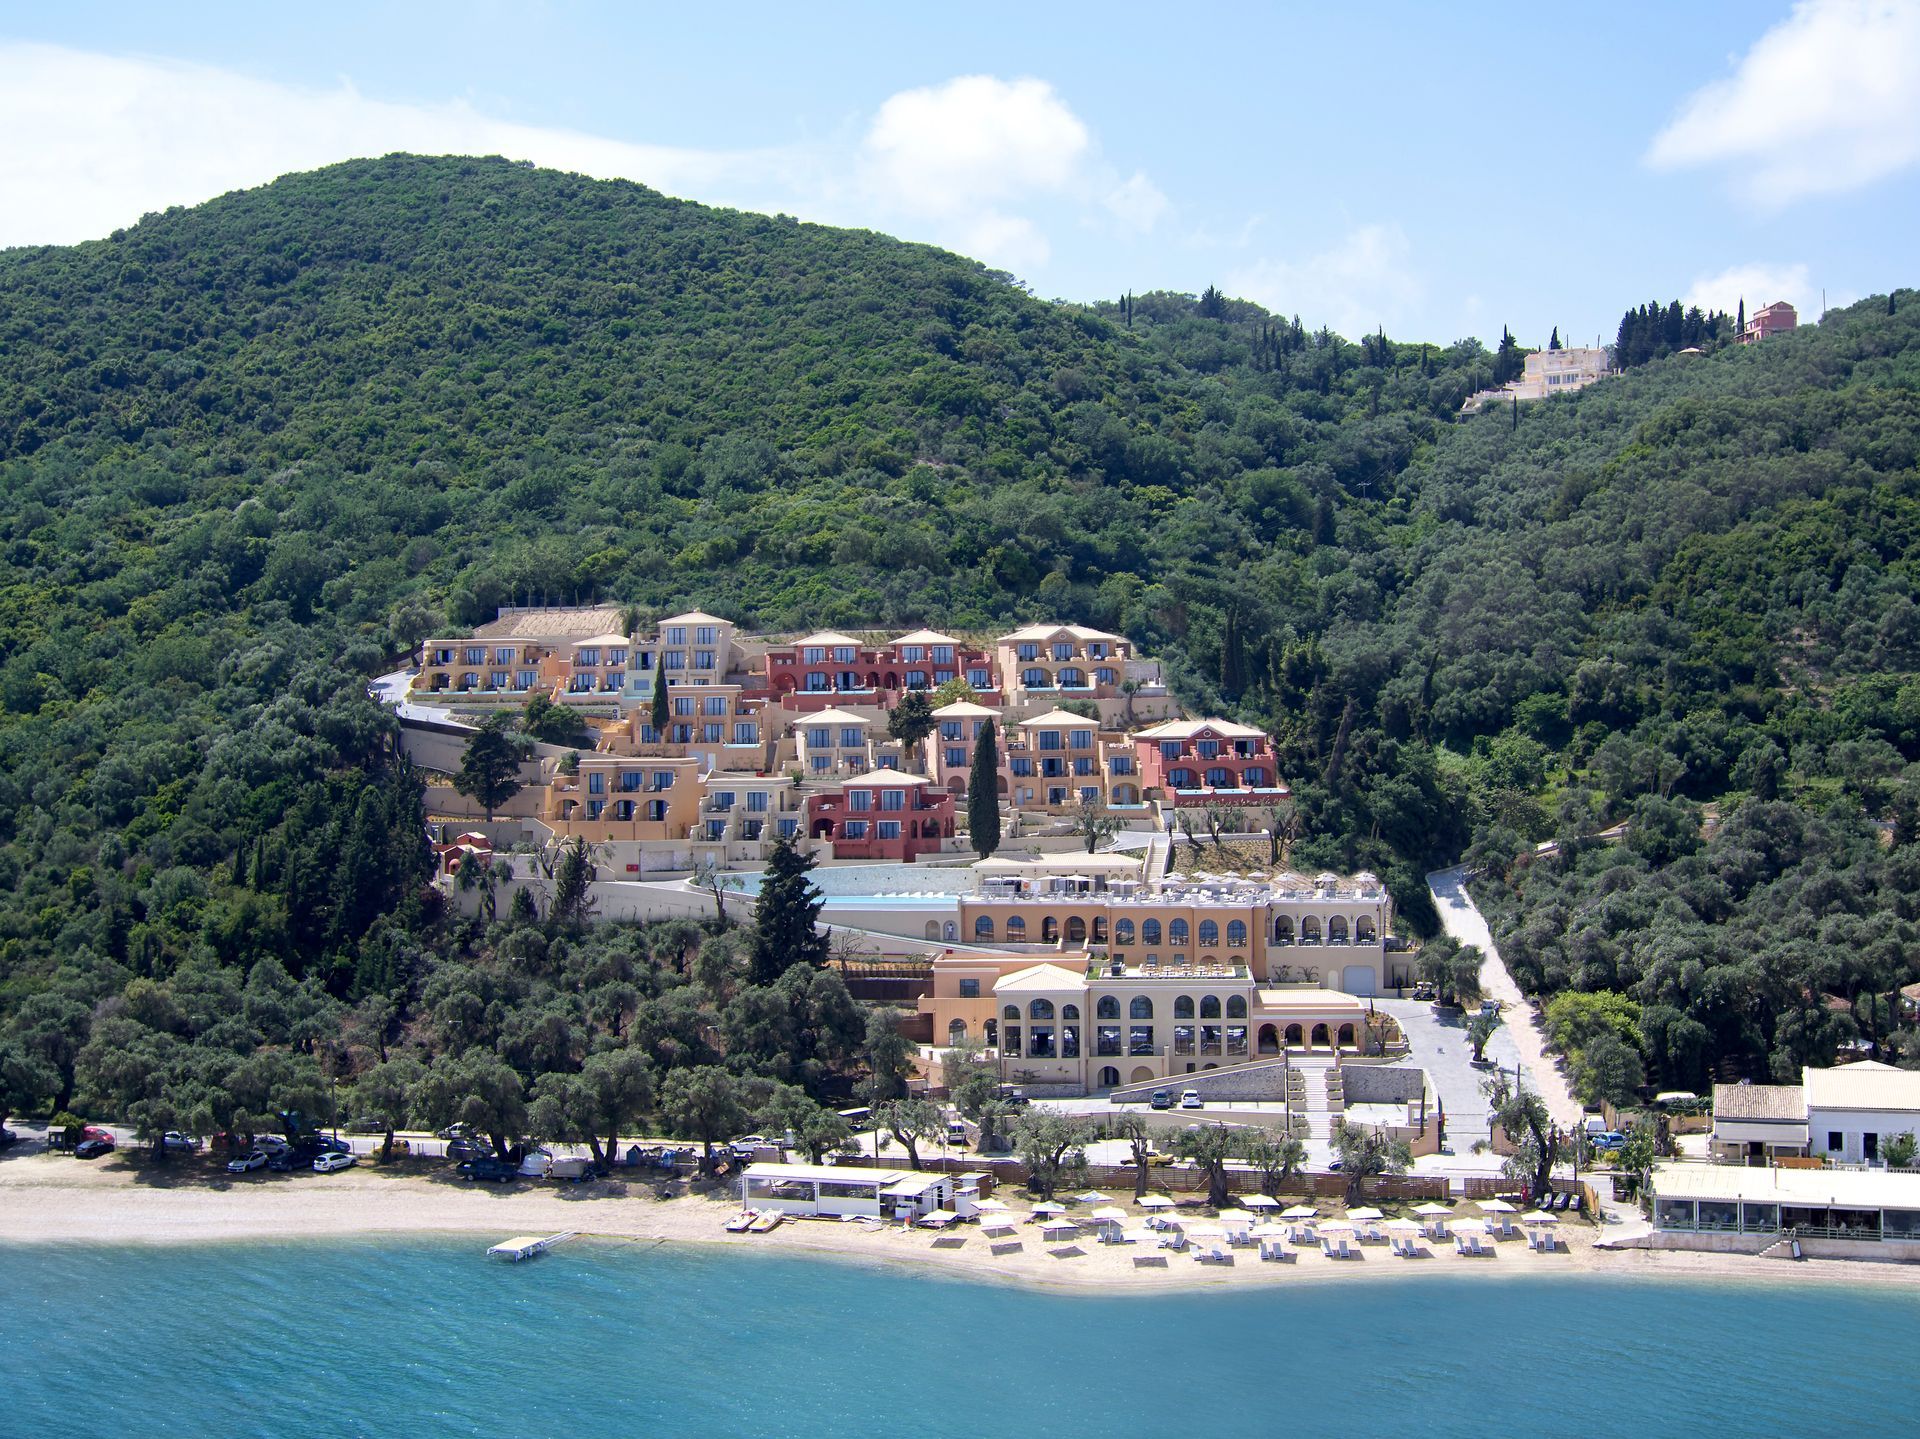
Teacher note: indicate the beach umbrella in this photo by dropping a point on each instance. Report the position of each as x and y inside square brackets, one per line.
[1333, 1227]
[1140, 1236]
[1049, 1207]
[1498, 1206]
[1365, 1214]
[1235, 1218]
[941, 1216]
[1471, 1226]
[1259, 1201]
[1092, 1196]
[991, 1206]
[1059, 1226]
[1269, 1231]
[997, 1226]
[1300, 1211]
[1207, 1231]
[1535, 1216]
[1431, 1210]
[1108, 1214]
[1156, 1201]
[1403, 1226]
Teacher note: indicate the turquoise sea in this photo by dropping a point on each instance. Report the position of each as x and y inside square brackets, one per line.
[427, 1338]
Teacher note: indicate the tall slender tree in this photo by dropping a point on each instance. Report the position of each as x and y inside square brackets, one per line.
[785, 932]
[658, 714]
[490, 769]
[983, 793]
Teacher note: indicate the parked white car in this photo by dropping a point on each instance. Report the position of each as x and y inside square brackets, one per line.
[328, 1163]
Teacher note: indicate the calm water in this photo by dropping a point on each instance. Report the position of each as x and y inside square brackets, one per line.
[428, 1338]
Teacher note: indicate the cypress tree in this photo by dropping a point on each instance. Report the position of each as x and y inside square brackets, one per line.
[659, 713]
[784, 929]
[983, 793]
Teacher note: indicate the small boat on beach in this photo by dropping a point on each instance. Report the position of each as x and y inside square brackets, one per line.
[738, 1224]
[763, 1223]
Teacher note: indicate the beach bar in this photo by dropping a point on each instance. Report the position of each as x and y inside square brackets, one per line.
[1695, 1204]
[837, 1191]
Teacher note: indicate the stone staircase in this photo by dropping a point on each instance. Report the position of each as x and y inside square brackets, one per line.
[1319, 1088]
[1787, 1246]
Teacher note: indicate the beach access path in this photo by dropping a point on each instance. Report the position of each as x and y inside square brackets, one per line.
[1464, 922]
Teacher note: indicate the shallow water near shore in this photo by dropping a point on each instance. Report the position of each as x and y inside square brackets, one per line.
[386, 1337]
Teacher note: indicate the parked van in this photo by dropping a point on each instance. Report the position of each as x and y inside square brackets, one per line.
[573, 1168]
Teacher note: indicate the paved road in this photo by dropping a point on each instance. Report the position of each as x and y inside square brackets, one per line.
[1466, 924]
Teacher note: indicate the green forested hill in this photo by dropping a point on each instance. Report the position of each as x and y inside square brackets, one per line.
[251, 451]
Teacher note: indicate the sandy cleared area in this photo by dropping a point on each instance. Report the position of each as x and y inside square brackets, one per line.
[54, 1198]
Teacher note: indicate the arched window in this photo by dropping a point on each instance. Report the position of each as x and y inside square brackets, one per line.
[1209, 933]
[1011, 1013]
[1049, 930]
[1310, 930]
[1363, 931]
[1236, 1006]
[1107, 1008]
[983, 927]
[1283, 929]
[1141, 1008]
[1210, 1007]
[1149, 931]
[1123, 931]
[1076, 929]
[957, 1033]
[1337, 930]
[1099, 929]
[1236, 933]
[1176, 931]
[1183, 1007]
[1040, 1009]
[1181, 777]
[1016, 929]
[1069, 1014]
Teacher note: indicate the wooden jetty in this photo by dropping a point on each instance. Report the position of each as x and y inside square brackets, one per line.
[526, 1246]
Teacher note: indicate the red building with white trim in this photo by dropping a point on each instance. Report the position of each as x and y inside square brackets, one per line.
[882, 815]
[1208, 761]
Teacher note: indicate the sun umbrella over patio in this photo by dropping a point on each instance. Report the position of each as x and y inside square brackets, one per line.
[1300, 1211]
[1498, 1206]
[1156, 1201]
[1365, 1214]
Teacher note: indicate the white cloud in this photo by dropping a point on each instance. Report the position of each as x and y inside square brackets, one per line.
[1826, 101]
[1364, 281]
[94, 141]
[1757, 284]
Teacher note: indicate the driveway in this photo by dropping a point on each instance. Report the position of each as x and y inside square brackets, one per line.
[1466, 924]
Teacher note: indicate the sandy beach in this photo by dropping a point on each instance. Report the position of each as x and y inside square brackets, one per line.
[47, 1198]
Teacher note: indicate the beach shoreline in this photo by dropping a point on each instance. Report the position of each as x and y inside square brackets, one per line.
[48, 1200]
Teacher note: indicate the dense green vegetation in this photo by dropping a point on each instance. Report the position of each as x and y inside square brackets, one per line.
[251, 452]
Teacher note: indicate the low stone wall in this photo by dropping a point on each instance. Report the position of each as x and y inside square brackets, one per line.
[1382, 1084]
[1260, 1080]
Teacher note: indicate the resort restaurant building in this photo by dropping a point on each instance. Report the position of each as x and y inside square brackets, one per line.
[1326, 932]
[1719, 1199]
[836, 1191]
[1089, 1024]
[1845, 1113]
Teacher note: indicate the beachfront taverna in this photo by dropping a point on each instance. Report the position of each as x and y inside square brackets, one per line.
[1714, 1206]
[1846, 1114]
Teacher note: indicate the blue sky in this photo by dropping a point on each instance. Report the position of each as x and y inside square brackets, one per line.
[1393, 165]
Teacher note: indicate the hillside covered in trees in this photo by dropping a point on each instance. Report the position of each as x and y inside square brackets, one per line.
[251, 452]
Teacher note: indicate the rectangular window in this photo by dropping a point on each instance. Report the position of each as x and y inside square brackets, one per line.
[823, 762]
[1050, 739]
[596, 783]
[703, 659]
[889, 829]
[714, 705]
[1083, 739]
[1083, 766]
[980, 679]
[716, 829]
[673, 659]
[523, 679]
[912, 654]
[819, 739]
[663, 779]
[1028, 652]
[1122, 764]
[682, 705]
[757, 802]
[956, 758]
[949, 729]
[476, 656]
[942, 654]
[744, 733]
[893, 799]
[814, 654]
[617, 658]
[1022, 765]
[1106, 1040]
[706, 635]
[969, 989]
[855, 829]
[710, 734]
[1836, 1141]
[723, 799]
[789, 827]
[1140, 1039]
[676, 634]
[859, 801]
[851, 738]
[845, 655]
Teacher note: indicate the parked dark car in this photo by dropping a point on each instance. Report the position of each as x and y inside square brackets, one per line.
[465, 1148]
[1162, 1099]
[92, 1148]
[8, 1138]
[500, 1171]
